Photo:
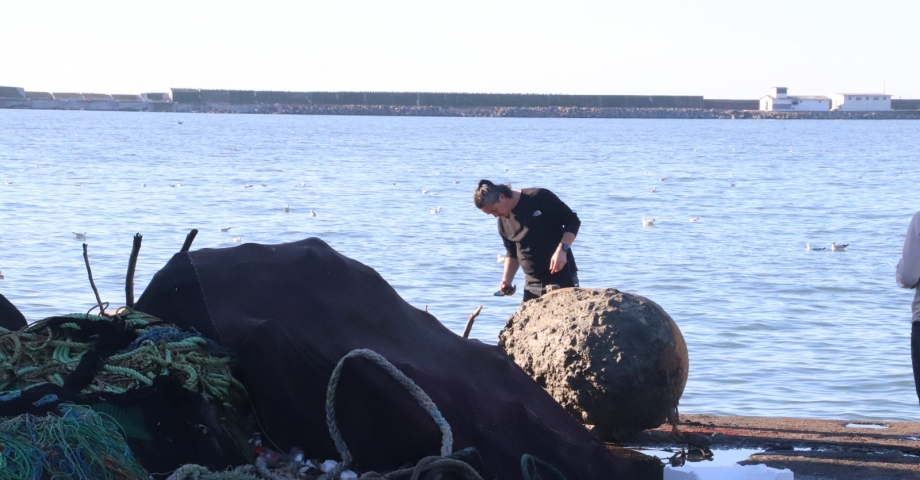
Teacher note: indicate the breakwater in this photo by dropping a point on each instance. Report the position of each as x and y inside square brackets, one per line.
[542, 112]
[430, 104]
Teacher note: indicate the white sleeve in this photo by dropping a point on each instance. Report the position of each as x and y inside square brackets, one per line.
[908, 272]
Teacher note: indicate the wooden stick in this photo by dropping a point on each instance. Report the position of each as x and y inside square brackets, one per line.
[132, 264]
[91, 282]
[188, 240]
[469, 322]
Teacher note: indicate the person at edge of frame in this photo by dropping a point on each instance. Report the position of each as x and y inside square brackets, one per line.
[537, 229]
[908, 276]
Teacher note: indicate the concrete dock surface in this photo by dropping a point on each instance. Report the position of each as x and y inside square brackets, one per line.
[812, 449]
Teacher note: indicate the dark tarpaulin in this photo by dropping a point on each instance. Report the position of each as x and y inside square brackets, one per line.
[291, 311]
[10, 316]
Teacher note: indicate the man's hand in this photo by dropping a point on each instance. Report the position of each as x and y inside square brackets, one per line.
[557, 263]
[505, 287]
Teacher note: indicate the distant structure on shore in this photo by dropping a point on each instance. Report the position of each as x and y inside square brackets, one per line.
[779, 100]
[861, 102]
[778, 105]
[848, 102]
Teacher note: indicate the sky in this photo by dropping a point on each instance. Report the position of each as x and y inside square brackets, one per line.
[714, 48]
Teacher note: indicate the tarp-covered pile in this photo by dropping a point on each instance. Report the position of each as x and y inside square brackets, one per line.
[291, 311]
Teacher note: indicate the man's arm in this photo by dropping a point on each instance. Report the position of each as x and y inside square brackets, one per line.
[908, 271]
[569, 222]
[511, 268]
[557, 263]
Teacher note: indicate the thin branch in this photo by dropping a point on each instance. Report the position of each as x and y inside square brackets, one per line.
[469, 322]
[132, 264]
[188, 240]
[91, 282]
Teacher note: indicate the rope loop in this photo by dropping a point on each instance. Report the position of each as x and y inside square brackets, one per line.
[447, 439]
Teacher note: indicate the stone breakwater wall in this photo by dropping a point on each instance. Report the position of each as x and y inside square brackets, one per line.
[540, 112]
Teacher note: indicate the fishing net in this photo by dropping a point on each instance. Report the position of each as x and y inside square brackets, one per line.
[74, 443]
[170, 394]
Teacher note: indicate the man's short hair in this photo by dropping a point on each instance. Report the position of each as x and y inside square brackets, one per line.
[487, 193]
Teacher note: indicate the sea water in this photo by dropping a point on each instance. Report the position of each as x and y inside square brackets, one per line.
[772, 328]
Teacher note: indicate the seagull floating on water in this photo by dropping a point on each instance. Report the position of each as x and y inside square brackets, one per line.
[647, 222]
[838, 248]
[144, 185]
[238, 239]
[435, 210]
[264, 184]
[456, 182]
[312, 212]
[225, 229]
[732, 184]
[662, 179]
[653, 190]
[79, 236]
[424, 191]
[501, 257]
[180, 122]
[76, 184]
[247, 185]
[1, 275]
[287, 208]
[303, 184]
[693, 219]
[809, 247]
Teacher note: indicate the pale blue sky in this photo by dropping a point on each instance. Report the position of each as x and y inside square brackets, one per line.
[715, 48]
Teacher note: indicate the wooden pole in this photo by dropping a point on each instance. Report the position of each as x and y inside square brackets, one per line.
[469, 322]
[132, 264]
[188, 240]
[91, 282]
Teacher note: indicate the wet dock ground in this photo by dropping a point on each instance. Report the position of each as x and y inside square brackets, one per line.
[812, 449]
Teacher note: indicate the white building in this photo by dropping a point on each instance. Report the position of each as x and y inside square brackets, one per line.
[780, 101]
[861, 102]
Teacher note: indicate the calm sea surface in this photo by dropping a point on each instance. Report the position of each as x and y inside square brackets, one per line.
[772, 329]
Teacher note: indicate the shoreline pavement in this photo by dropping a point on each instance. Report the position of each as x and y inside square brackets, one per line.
[812, 449]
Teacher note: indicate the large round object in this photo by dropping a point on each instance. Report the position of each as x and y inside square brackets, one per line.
[614, 360]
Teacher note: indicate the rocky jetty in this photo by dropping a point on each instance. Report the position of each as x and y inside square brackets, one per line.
[539, 112]
[614, 360]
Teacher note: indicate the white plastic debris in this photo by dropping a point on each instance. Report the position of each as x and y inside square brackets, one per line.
[328, 465]
[732, 472]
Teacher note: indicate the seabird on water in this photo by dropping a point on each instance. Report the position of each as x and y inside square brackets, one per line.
[312, 212]
[238, 239]
[693, 219]
[79, 236]
[809, 247]
[838, 248]
[287, 208]
[435, 210]
[225, 229]
[647, 222]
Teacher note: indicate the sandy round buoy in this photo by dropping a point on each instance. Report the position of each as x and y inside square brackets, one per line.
[614, 360]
